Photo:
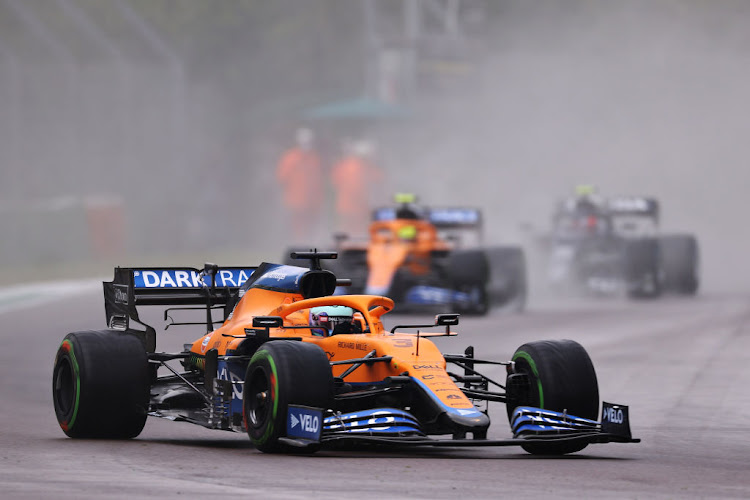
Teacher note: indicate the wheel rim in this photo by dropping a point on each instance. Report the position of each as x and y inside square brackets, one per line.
[536, 393]
[259, 399]
[64, 387]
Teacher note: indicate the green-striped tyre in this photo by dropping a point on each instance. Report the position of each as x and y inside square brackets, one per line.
[280, 373]
[100, 385]
[561, 378]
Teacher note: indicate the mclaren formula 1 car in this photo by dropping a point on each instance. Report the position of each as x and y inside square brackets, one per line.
[432, 258]
[299, 369]
[613, 245]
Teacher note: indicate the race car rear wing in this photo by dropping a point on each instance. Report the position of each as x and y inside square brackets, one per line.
[442, 218]
[455, 218]
[634, 206]
[169, 286]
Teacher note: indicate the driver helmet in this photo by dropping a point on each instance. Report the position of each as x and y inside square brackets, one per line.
[585, 190]
[329, 317]
[407, 233]
[408, 208]
[588, 194]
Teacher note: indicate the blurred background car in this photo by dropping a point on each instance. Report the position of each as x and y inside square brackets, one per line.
[428, 257]
[613, 246]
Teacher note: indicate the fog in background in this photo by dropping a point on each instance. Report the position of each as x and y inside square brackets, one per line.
[140, 128]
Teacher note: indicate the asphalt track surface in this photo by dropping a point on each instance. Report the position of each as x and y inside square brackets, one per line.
[683, 366]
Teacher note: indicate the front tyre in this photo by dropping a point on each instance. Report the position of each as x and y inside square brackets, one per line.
[680, 261]
[280, 373]
[555, 375]
[477, 304]
[642, 268]
[100, 385]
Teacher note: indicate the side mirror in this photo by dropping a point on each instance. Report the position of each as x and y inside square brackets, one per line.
[446, 319]
[263, 325]
[268, 322]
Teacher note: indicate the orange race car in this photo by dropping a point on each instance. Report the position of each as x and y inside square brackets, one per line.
[298, 369]
[432, 258]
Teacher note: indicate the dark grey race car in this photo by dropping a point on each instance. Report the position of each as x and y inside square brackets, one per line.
[613, 246]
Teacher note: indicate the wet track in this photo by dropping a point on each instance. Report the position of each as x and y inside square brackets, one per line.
[682, 365]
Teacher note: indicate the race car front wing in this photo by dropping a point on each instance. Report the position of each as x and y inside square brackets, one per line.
[395, 427]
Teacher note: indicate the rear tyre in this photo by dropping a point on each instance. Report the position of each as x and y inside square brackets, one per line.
[508, 271]
[680, 261]
[100, 385]
[468, 272]
[560, 377]
[643, 268]
[280, 373]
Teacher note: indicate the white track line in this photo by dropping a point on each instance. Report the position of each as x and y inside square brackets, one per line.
[17, 297]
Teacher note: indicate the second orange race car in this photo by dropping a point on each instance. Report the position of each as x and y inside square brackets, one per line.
[432, 258]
